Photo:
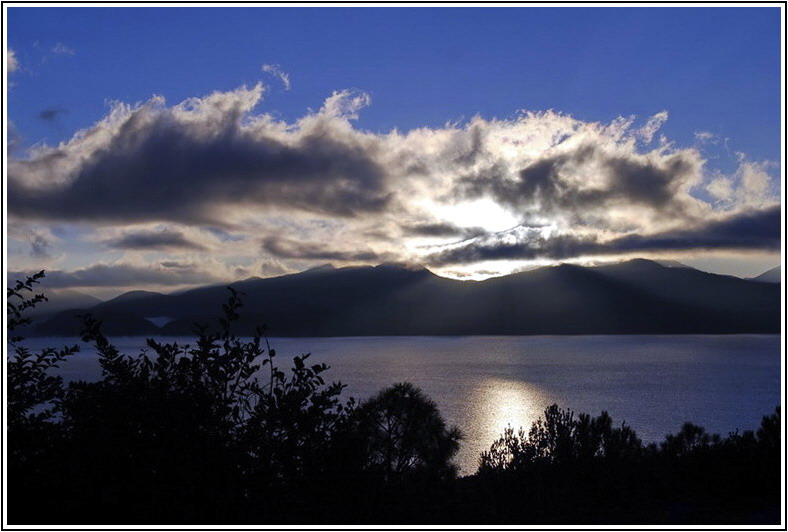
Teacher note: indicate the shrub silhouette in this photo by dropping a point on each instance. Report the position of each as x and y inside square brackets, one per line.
[216, 433]
[569, 469]
[172, 433]
[404, 434]
[33, 392]
[34, 435]
[559, 438]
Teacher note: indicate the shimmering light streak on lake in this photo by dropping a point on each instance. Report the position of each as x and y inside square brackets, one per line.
[498, 403]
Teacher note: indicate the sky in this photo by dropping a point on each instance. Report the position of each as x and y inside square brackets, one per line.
[169, 147]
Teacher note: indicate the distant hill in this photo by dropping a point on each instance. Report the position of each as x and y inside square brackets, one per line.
[634, 297]
[62, 299]
[58, 300]
[672, 264]
[769, 276]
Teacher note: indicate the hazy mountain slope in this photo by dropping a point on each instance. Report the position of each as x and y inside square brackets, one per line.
[140, 302]
[59, 300]
[769, 276]
[633, 297]
[716, 298]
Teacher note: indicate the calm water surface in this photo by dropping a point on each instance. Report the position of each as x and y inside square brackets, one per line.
[484, 383]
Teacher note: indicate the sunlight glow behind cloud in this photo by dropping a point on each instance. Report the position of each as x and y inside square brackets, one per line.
[161, 182]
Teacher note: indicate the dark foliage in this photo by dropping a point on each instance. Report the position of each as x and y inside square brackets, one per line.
[216, 433]
[210, 433]
[34, 395]
[572, 470]
[560, 438]
[405, 435]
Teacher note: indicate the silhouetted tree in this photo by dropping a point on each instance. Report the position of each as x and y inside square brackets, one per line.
[404, 434]
[690, 439]
[560, 438]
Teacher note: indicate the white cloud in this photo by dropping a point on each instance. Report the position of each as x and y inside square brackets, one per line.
[11, 62]
[62, 49]
[755, 182]
[749, 187]
[706, 137]
[345, 104]
[721, 188]
[277, 72]
[653, 125]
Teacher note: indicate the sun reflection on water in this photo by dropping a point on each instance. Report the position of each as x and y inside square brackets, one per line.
[495, 404]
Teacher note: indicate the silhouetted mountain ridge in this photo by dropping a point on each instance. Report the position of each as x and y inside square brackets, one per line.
[634, 297]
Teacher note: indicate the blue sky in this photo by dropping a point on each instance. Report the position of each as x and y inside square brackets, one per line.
[715, 71]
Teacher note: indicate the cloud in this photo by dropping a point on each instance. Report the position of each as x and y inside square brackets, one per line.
[706, 137]
[721, 188]
[205, 159]
[277, 72]
[13, 139]
[653, 125]
[123, 275]
[154, 240]
[442, 229]
[587, 182]
[62, 49]
[11, 62]
[189, 162]
[51, 114]
[750, 186]
[39, 247]
[273, 268]
[749, 230]
[228, 175]
[292, 249]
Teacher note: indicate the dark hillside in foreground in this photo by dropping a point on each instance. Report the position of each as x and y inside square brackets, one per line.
[635, 297]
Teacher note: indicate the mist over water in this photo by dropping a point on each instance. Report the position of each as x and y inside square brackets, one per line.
[484, 383]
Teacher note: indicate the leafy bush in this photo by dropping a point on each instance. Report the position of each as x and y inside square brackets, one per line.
[34, 395]
[174, 432]
[33, 392]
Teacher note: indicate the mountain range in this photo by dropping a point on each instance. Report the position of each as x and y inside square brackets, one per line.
[633, 297]
[769, 276]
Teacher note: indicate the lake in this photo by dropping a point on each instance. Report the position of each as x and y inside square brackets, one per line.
[484, 383]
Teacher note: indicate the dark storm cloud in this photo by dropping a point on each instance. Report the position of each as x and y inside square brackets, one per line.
[154, 240]
[751, 230]
[157, 163]
[175, 264]
[39, 247]
[556, 183]
[292, 249]
[440, 229]
[100, 275]
[50, 115]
